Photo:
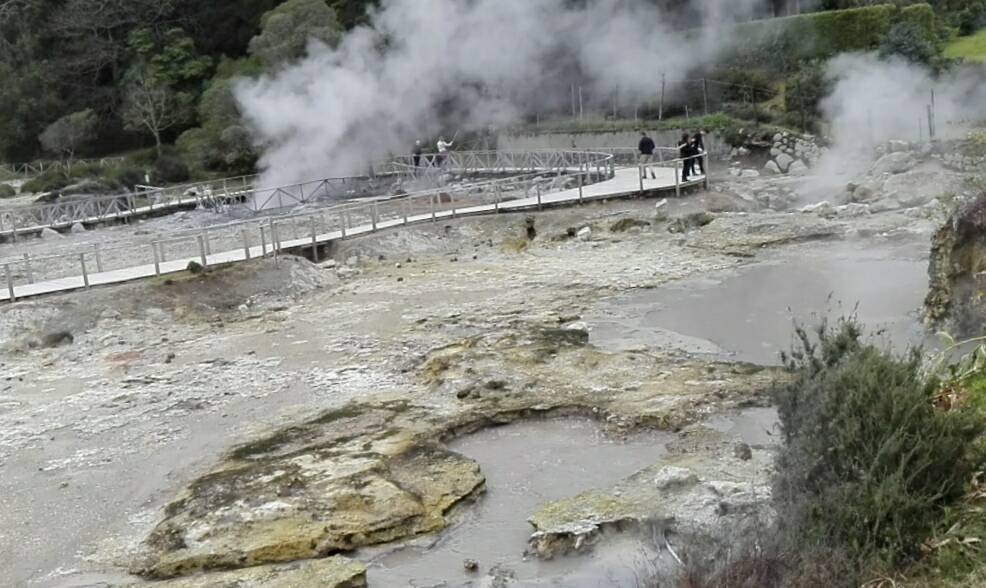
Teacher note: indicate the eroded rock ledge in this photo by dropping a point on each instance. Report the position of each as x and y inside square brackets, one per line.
[377, 471]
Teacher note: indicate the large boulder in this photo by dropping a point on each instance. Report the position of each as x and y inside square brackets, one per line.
[771, 169]
[784, 161]
[893, 163]
[798, 168]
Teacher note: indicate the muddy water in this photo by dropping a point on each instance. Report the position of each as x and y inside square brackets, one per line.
[527, 464]
[748, 314]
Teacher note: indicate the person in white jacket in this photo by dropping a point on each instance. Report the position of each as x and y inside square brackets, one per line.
[443, 147]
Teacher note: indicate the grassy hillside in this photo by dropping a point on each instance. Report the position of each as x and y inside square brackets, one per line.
[972, 48]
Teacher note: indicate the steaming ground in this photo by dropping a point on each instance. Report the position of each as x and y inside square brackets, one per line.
[163, 377]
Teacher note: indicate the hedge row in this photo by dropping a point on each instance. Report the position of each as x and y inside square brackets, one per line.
[786, 42]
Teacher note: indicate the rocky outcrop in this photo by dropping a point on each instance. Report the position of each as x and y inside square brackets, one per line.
[703, 488]
[791, 154]
[956, 300]
[349, 479]
[332, 572]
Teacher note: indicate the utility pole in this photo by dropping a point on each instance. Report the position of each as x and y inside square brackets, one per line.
[581, 111]
[660, 106]
[705, 95]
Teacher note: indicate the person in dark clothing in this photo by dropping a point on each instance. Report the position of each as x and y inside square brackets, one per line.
[685, 153]
[699, 142]
[416, 154]
[646, 148]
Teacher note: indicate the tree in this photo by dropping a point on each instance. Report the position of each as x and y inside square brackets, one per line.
[286, 31]
[70, 132]
[905, 40]
[152, 105]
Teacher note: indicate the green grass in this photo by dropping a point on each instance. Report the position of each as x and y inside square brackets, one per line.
[971, 48]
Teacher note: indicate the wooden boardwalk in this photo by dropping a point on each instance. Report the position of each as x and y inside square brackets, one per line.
[625, 183]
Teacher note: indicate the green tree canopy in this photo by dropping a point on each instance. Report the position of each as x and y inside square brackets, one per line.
[66, 135]
[286, 31]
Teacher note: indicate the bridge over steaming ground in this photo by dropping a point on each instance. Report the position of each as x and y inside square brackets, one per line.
[500, 182]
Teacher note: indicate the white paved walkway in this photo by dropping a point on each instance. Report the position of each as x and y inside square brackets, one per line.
[626, 183]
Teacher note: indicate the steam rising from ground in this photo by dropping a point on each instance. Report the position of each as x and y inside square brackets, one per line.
[875, 100]
[426, 67]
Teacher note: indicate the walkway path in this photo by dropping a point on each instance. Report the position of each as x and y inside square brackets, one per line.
[403, 212]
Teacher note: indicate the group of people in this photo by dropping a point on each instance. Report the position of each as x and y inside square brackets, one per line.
[418, 155]
[691, 150]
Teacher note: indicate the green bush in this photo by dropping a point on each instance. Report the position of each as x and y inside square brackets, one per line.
[905, 39]
[784, 43]
[49, 181]
[170, 169]
[745, 85]
[128, 176]
[7, 191]
[804, 93]
[971, 18]
[867, 464]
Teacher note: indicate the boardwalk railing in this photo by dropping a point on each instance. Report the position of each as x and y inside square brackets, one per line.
[240, 193]
[108, 262]
[39, 167]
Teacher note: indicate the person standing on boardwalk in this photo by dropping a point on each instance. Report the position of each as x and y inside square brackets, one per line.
[685, 154]
[646, 148]
[699, 142]
[416, 154]
[443, 147]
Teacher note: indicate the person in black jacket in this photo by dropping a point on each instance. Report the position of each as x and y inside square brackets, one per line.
[685, 152]
[416, 154]
[699, 141]
[646, 148]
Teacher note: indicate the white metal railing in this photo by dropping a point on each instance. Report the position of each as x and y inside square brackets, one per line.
[240, 192]
[75, 266]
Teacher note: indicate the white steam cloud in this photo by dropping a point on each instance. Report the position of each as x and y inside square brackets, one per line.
[875, 100]
[426, 67]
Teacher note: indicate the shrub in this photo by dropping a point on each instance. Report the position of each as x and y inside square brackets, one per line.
[49, 181]
[971, 18]
[170, 169]
[7, 191]
[906, 40]
[804, 93]
[745, 85]
[867, 463]
[128, 176]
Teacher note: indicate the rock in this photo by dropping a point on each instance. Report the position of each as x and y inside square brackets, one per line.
[867, 192]
[573, 335]
[749, 173]
[784, 161]
[735, 172]
[57, 339]
[894, 146]
[821, 209]
[798, 168]
[195, 267]
[691, 221]
[331, 572]
[774, 151]
[671, 476]
[584, 234]
[958, 256]
[771, 168]
[625, 224]
[661, 210]
[743, 451]
[778, 137]
[742, 152]
[329, 264]
[311, 491]
[352, 261]
[885, 205]
[78, 228]
[49, 233]
[470, 565]
[893, 163]
[852, 210]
